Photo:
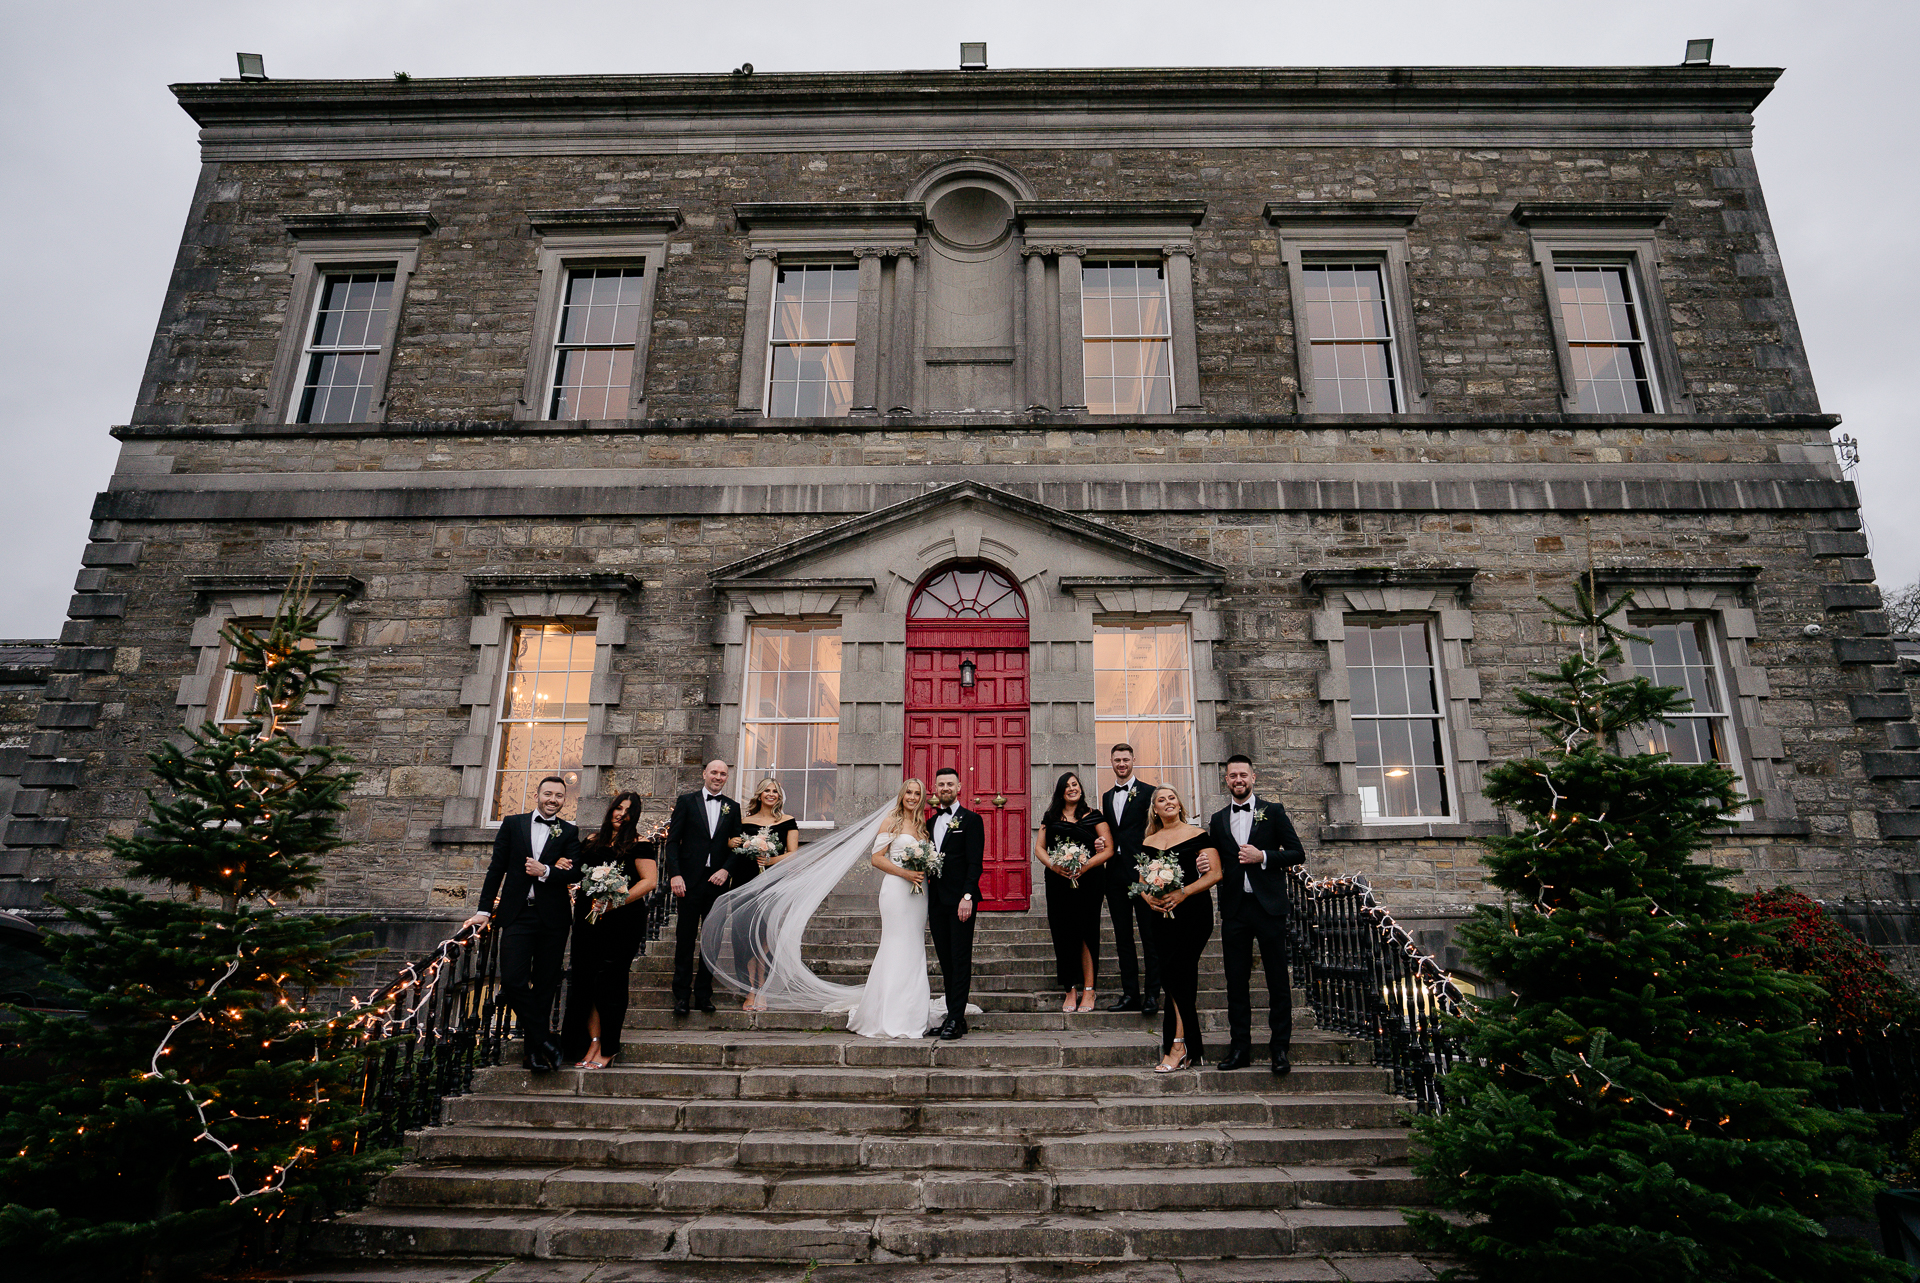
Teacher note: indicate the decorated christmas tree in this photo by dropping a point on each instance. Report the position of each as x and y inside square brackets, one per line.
[1638, 1109]
[193, 1099]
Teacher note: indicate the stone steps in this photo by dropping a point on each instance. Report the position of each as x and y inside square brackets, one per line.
[776, 1137]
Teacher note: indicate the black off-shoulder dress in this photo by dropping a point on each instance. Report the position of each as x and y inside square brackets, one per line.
[603, 954]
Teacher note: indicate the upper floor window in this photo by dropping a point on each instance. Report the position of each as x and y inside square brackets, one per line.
[1399, 721]
[1127, 333]
[1606, 338]
[1143, 696]
[344, 347]
[1681, 653]
[541, 728]
[600, 320]
[1350, 330]
[234, 699]
[811, 341]
[790, 713]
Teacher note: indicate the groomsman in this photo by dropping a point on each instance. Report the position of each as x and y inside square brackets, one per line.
[953, 895]
[1257, 843]
[700, 864]
[536, 857]
[1127, 805]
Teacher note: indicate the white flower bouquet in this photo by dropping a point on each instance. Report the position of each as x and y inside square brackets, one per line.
[922, 857]
[762, 848]
[1157, 876]
[606, 885]
[1070, 860]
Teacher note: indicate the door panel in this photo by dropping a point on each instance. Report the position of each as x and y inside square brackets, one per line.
[982, 732]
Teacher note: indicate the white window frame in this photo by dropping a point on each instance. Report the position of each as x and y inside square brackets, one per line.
[1353, 232]
[569, 241]
[1109, 258]
[1189, 788]
[501, 721]
[800, 263]
[311, 263]
[1640, 741]
[1638, 251]
[225, 599]
[818, 623]
[1396, 373]
[1449, 776]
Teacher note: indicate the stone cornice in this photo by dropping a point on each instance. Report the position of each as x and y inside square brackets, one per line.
[1459, 578]
[1042, 214]
[1584, 213]
[1677, 576]
[1349, 213]
[549, 222]
[399, 223]
[204, 586]
[504, 581]
[970, 111]
[838, 215]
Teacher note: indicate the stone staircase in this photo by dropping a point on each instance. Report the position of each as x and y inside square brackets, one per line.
[777, 1137]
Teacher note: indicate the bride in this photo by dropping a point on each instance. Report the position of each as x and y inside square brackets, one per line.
[757, 928]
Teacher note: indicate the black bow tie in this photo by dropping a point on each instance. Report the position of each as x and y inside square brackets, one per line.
[1243, 806]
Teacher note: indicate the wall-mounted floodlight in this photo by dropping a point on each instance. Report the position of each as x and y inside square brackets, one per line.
[1699, 53]
[252, 66]
[973, 56]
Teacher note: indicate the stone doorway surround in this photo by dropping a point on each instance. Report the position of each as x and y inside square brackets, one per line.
[864, 571]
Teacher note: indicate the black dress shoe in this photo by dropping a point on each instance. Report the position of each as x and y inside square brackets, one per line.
[708, 1007]
[681, 1008]
[543, 1059]
[1129, 1003]
[1281, 1065]
[952, 1029]
[1149, 1009]
[940, 1030]
[1237, 1058]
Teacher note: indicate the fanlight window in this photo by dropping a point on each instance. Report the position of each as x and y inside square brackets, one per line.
[968, 592]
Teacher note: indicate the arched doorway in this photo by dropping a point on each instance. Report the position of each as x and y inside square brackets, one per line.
[967, 707]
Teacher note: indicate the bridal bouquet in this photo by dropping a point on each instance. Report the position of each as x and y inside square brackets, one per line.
[606, 886]
[761, 847]
[1158, 875]
[1070, 860]
[922, 857]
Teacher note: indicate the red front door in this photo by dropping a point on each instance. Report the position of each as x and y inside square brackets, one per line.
[981, 731]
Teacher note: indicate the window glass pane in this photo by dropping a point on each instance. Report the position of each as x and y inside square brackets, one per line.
[1681, 653]
[543, 710]
[1605, 340]
[790, 713]
[813, 341]
[1143, 679]
[1125, 320]
[1400, 758]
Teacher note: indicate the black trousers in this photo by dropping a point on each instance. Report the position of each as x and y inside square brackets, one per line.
[692, 982]
[953, 945]
[1127, 911]
[1241, 928]
[530, 958]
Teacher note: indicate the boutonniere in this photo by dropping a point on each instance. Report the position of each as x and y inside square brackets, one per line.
[1260, 815]
[726, 808]
[953, 824]
[554, 828]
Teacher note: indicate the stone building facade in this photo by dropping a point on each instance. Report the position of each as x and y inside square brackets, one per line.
[1216, 410]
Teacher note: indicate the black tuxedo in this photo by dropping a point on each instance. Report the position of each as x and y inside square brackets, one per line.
[1256, 917]
[965, 847]
[695, 852]
[533, 933]
[1125, 909]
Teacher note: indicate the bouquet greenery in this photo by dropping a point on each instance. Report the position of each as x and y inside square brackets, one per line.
[606, 886]
[1158, 875]
[1070, 861]
[922, 856]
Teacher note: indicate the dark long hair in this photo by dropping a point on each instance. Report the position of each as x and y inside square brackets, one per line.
[1057, 808]
[620, 842]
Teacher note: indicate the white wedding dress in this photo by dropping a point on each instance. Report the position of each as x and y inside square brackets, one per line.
[752, 935]
[898, 999]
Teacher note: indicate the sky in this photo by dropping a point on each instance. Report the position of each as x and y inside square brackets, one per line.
[100, 164]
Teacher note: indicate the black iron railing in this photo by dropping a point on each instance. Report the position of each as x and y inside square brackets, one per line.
[1879, 1072]
[444, 1019]
[1365, 976]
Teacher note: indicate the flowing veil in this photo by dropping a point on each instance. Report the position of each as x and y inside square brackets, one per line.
[763, 921]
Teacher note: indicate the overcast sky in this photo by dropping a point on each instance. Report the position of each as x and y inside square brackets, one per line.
[100, 163]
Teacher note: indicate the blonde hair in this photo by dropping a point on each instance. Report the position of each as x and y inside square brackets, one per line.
[902, 819]
[753, 807]
[1154, 823]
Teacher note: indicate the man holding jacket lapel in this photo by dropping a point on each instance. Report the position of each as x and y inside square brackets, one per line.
[1257, 843]
[700, 863]
[536, 857]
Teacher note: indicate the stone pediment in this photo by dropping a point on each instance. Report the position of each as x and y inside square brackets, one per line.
[970, 521]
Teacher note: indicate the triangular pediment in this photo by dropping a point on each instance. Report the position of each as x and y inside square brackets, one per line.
[1045, 537]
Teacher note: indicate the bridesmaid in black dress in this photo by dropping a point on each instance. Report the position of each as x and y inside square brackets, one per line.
[603, 951]
[1073, 914]
[766, 813]
[1182, 936]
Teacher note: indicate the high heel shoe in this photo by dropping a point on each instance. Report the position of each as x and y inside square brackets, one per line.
[587, 1062]
[1072, 1003]
[1086, 1000]
[1182, 1063]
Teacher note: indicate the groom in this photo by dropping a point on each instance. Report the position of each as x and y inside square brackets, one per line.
[953, 895]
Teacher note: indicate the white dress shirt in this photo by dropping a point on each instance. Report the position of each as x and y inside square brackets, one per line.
[1120, 794]
[941, 820]
[1241, 823]
[537, 835]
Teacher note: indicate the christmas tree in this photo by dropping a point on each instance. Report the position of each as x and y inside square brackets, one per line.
[1639, 1107]
[193, 1098]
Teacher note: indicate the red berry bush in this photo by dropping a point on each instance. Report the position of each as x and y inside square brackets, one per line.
[1862, 994]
